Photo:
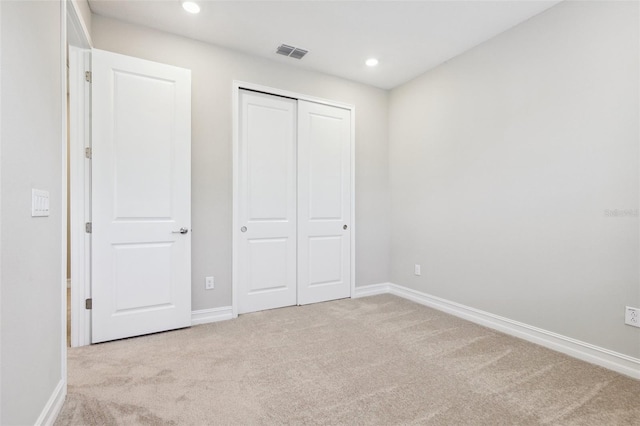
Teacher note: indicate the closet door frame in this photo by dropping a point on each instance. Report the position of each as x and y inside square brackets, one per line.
[236, 87]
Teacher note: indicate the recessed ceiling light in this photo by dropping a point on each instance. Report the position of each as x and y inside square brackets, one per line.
[191, 7]
[371, 62]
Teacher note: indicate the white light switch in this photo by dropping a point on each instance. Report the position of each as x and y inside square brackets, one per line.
[39, 203]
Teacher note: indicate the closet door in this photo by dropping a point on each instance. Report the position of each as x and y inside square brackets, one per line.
[324, 202]
[267, 202]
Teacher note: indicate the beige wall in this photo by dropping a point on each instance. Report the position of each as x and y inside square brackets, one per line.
[503, 163]
[30, 261]
[213, 71]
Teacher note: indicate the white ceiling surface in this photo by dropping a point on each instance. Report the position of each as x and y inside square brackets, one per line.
[408, 37]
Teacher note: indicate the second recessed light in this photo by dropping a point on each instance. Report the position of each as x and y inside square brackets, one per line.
[371, 62]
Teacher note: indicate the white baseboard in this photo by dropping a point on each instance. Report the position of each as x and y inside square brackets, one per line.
[603, 357]
[206, 316]
[372, 290]
[51, 410]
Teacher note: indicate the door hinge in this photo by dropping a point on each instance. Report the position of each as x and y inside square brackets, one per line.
[87, 76]
[88, 227]
[88, 153]
[88, 303]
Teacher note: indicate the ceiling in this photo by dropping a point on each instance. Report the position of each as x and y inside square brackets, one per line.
[408, 37]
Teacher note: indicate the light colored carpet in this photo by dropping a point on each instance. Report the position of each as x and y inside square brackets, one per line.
[378, 360]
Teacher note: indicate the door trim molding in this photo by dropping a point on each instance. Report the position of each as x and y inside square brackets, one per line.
[80, 194]
[235, 94]
[79, 176]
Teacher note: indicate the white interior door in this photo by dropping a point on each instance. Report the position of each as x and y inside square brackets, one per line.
[266, 202]
[324, 202]
[141, 187]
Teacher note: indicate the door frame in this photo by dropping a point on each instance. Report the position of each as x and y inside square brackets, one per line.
[235, 239]
[79, 58]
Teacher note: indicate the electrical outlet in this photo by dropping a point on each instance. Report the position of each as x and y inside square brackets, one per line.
[209, 283]
[632, 316]
[416, 269]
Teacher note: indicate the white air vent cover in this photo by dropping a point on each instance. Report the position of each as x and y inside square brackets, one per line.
[285, 50]
[298, 53]
[290, 51]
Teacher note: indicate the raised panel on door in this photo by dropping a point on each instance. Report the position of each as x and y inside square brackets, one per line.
[267, 202]
[141, 186]
[324, 202]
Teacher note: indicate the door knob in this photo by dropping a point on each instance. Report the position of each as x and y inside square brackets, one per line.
[345, 227]
[243, 229]
[181, 231]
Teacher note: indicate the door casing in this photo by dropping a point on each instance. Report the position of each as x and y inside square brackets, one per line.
[236, 86]
[79, 177]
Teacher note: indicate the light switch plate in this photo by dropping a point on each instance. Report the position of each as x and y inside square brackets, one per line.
[39, 203]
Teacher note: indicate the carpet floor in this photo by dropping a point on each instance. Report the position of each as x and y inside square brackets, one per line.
[379, 360]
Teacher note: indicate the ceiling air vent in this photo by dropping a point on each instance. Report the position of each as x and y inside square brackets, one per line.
[285, 50]
[298, 53]
[290, 51]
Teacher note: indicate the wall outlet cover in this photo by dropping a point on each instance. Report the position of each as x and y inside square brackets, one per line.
[209, 283]
[632, 316]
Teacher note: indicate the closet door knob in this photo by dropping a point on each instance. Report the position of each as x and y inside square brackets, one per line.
[345, 227]
[243, 229]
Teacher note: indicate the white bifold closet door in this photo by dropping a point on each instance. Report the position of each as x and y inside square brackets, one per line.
[324, 202]
[294, 205]
[267, 202]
